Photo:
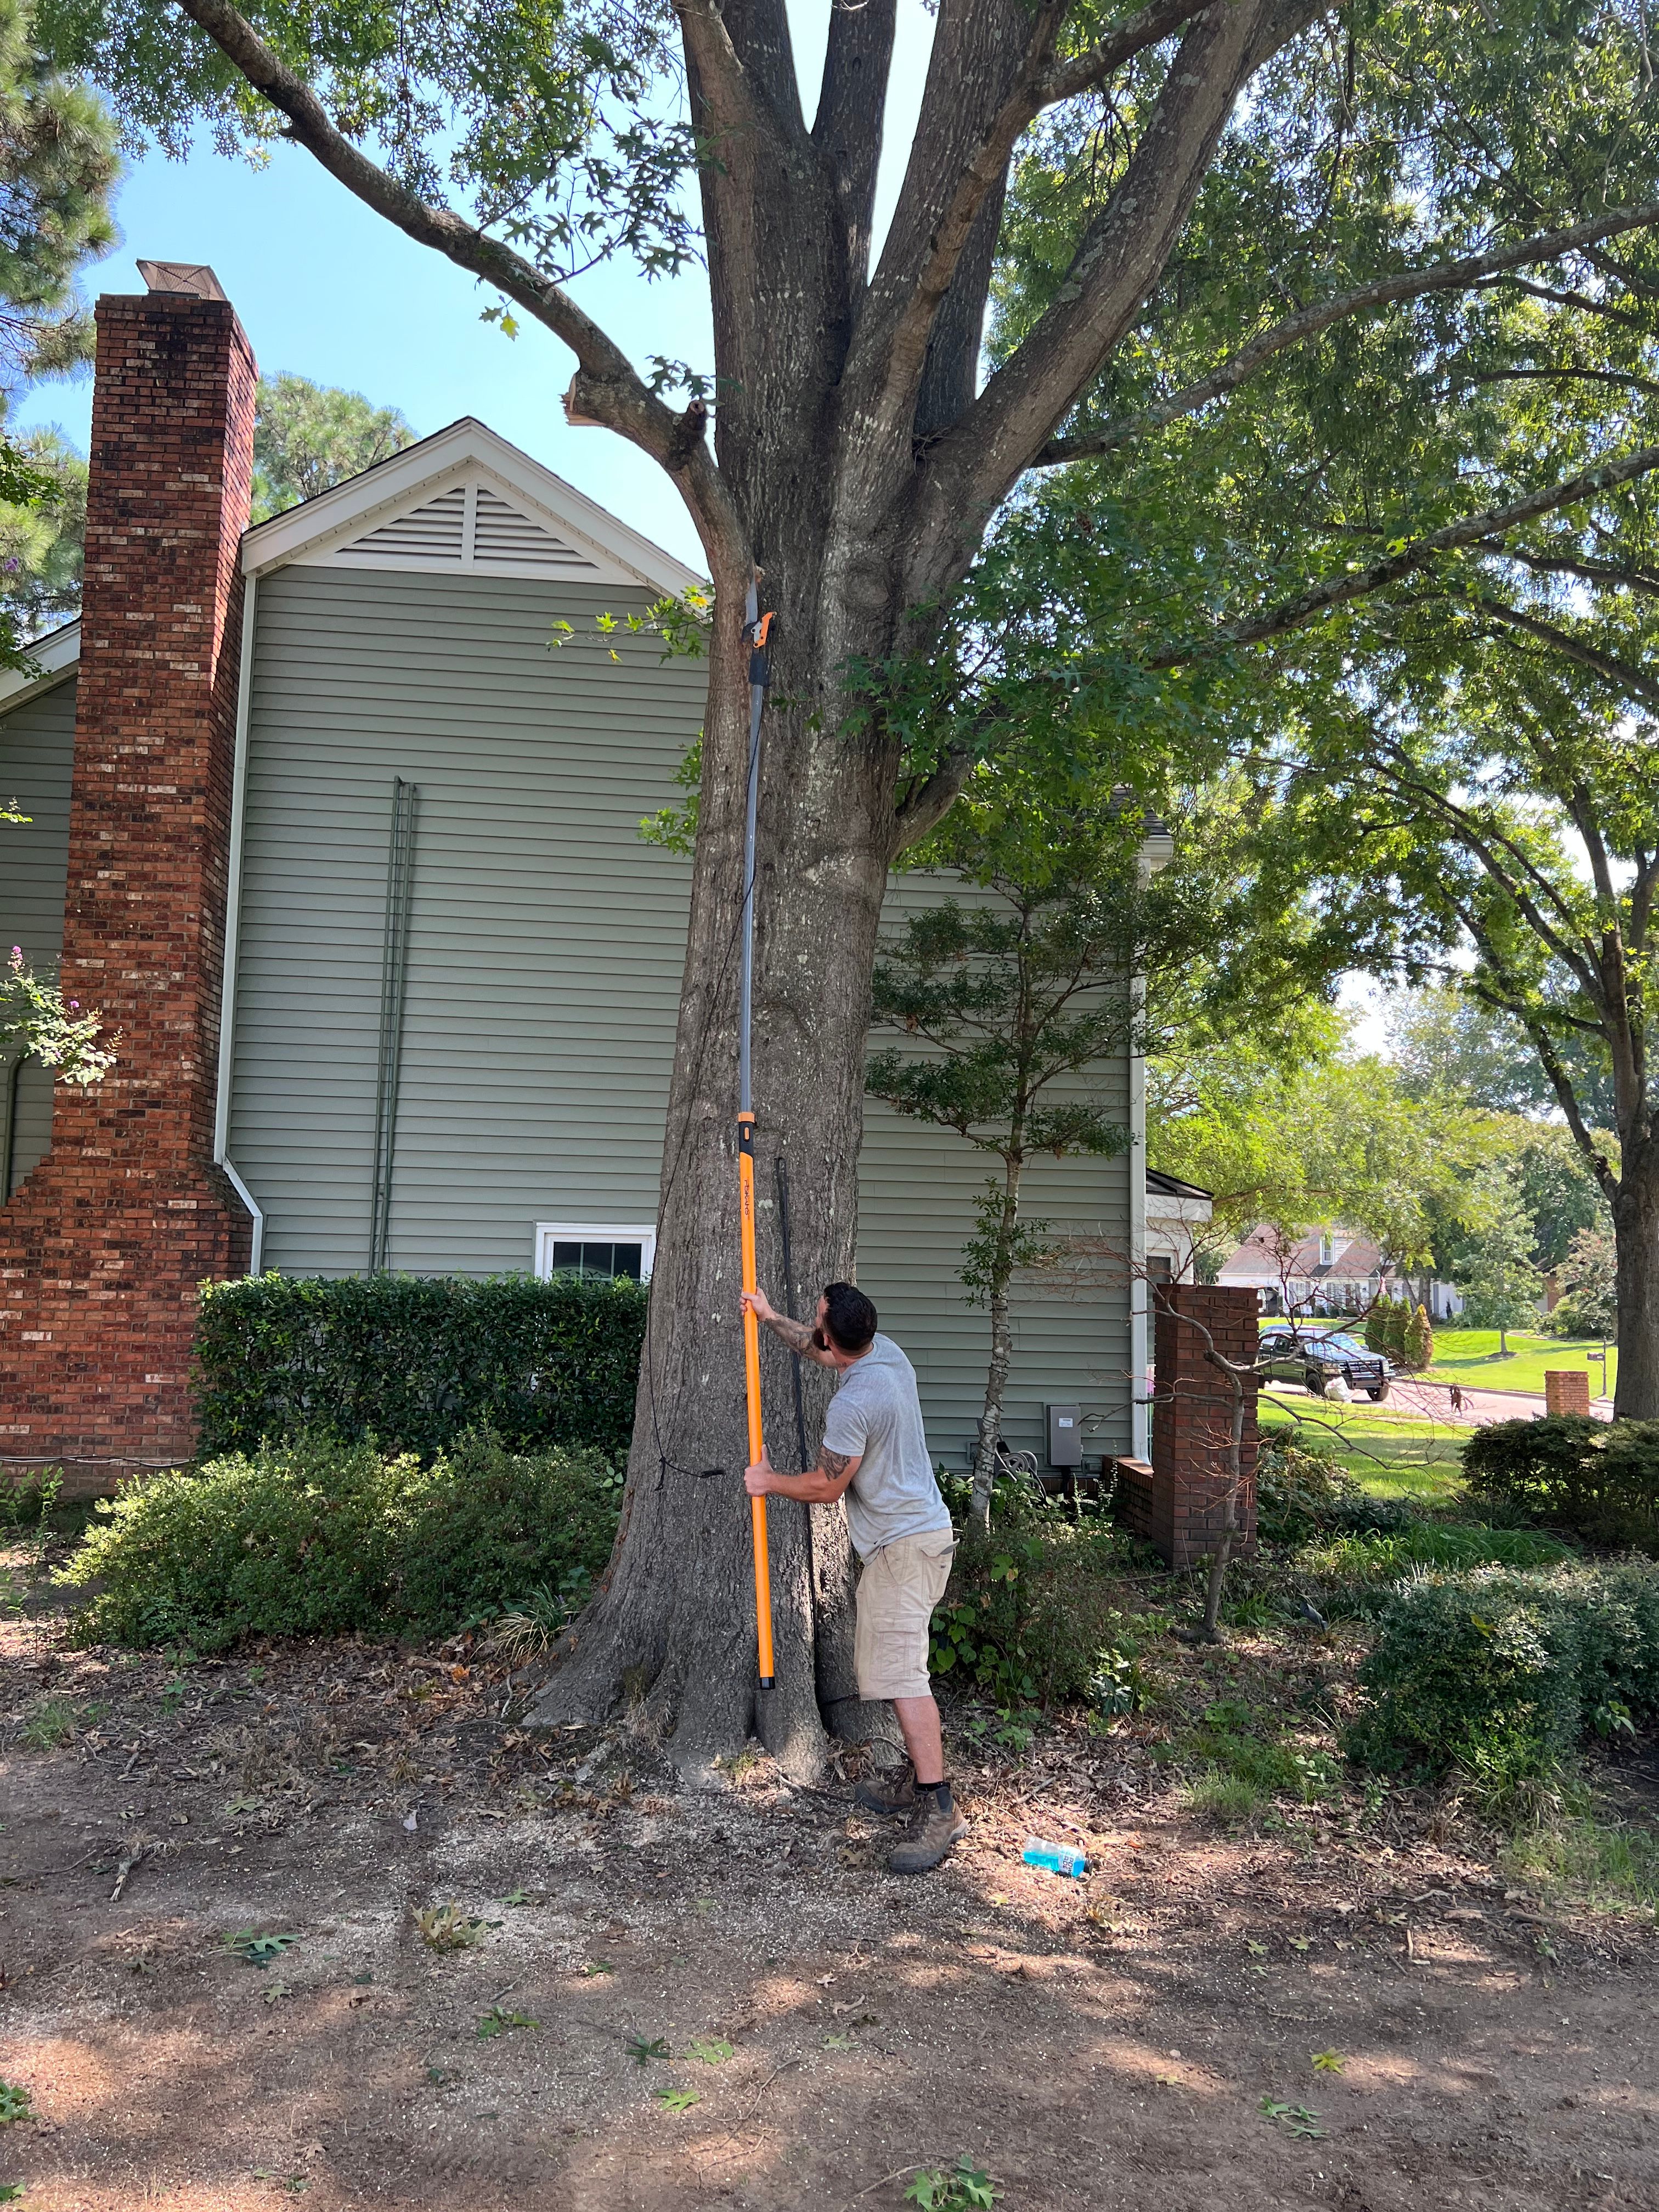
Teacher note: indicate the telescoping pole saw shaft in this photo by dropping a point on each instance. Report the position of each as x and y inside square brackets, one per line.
[757, 630]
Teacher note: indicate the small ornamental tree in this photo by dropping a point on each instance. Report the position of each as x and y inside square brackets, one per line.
[1418, 1351]
[1020, 1002]
[1376, 1323]
[1394, 1330]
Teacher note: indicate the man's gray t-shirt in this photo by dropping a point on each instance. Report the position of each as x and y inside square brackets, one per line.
[875, 1414]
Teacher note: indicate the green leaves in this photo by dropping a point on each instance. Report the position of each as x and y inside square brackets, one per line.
[497, 2021]
[678, 2100]
[711, 2052]
[642, 2051]
[14, 2104]
[964, 2187]
[256, 1950]
[447, 1928]
[1298, 2120]
[35, 1014]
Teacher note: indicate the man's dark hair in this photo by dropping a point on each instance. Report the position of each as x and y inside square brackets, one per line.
[848, 1316]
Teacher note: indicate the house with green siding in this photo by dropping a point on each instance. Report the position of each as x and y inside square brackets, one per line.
[449, 964]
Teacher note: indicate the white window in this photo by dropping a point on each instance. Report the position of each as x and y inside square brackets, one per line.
[602, 1249]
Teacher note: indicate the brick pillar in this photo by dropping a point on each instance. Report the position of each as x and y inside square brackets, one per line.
[102, 1246]
[1178, 1503]
[1566, 1390]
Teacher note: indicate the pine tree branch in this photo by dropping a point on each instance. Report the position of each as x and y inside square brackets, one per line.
[1308, 322]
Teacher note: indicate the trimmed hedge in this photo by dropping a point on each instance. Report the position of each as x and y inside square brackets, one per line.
[1502, 1673]
[322, 1538]
[417, 1361]
[1600, 1478]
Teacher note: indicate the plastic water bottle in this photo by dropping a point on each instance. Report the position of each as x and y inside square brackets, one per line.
[1059, 1858]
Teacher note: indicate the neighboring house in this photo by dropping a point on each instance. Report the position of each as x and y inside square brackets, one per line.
[1321, 1272]
[332, 763]
[1177, 1213]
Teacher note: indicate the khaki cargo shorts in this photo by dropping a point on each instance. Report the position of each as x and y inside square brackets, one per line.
[898, 1589]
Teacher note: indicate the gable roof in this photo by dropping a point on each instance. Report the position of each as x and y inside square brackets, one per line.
[55, 656]
[463, 499]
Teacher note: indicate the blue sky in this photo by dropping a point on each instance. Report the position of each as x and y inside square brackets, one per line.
[329, 290]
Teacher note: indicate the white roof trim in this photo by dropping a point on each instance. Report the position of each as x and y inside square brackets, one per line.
[57, 656]
[323, 527]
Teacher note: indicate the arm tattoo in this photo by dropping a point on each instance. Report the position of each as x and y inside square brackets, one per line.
[795, 1334]
[833, 1463]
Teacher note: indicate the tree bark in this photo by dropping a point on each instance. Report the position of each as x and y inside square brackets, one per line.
[1636, 1238]
[996, 1375]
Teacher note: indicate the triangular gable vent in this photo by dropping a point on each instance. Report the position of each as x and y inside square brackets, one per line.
[472, 527]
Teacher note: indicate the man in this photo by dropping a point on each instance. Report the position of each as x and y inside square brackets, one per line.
[875, 1455]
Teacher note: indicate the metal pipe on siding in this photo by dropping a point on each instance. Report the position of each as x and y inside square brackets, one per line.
[394, 975]
[233, 934]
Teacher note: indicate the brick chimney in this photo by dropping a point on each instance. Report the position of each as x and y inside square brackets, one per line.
[102, 1246]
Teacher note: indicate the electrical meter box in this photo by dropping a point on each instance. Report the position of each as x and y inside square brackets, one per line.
[1064, 1435]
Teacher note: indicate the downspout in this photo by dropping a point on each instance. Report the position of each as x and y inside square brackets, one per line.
[233, 932]
[1157, 851]
[1140, 1387]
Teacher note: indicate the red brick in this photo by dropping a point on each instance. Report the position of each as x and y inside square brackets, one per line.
[1178, 1504]
[102, 1247]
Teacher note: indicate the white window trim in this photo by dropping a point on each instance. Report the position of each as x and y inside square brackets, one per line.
[549, 1233]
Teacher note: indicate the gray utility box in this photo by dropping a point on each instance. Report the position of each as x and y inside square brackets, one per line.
[1064, 1435]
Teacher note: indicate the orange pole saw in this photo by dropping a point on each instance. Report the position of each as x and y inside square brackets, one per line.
[759, 627]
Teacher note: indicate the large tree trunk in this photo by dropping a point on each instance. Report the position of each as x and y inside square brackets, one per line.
[1635, 1234]
[673, 1622]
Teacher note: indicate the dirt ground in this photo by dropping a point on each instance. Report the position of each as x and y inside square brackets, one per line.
[679, 1999]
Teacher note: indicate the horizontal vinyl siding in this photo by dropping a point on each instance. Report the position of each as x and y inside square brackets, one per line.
[37, 758]
[546, 947]
[546, 941]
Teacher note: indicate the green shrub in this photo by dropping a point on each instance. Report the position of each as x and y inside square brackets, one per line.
[1357, 1574]
[321, 1538]
[1502, 1673]
[1036, 1619]
[1600, 1478]
[417, 1361]
[1301, 1491]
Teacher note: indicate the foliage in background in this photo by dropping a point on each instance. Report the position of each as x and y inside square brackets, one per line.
[308, 437]
[57, 170]
[417, 1361]
[1590, 1271]
[1296, 1133]
[42, 538]
[1494, 1265]
[35, 1016]
[1599, 1478]
[320, 1538]
[1503, 1674]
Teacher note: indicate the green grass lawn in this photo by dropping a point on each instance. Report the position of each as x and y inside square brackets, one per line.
[1469, 1356]
[1390, 1456]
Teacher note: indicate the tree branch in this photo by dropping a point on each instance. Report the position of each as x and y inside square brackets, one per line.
[1122, 251]
[1631, 682]
[1149, 27]
[926, 806]
[1356, 584]
[607, 386]
[847, 128]
[1588, 572]
[1309, 322]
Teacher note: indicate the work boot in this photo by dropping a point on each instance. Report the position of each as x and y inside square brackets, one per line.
[893, 1793]
[935, 1827]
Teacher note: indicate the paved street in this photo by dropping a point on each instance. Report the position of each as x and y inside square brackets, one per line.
[1432, 1401]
